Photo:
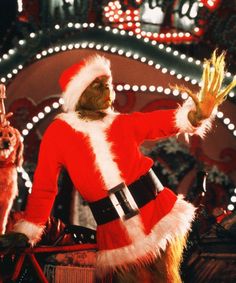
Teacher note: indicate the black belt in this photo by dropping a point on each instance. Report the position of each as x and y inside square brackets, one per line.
[118, 202]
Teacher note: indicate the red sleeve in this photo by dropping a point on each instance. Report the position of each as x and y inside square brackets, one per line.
[44, 190]
[154, 125]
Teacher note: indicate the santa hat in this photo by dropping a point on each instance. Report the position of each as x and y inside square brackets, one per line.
[78, 77]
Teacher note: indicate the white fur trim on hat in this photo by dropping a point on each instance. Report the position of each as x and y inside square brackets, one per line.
[95, 66]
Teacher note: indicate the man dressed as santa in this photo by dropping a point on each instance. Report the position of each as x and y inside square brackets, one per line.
[142, 225]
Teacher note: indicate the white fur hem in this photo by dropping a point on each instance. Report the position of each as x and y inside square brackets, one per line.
[94, 67]
[183, 123]
[174, 224]
[32, 231]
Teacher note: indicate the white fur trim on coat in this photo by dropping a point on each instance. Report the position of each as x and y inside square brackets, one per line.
[176, 223]
[94, 67]
[183, 123]
[33, 231]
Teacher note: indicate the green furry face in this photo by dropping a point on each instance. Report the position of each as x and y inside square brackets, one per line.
[97, 96]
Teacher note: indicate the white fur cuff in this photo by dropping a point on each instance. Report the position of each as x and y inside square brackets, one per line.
[184, 125]
[32, 231]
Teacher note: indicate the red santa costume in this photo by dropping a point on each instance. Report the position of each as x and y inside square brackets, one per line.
[99, 156]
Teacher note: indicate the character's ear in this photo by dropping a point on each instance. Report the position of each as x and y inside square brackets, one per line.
[20, 149]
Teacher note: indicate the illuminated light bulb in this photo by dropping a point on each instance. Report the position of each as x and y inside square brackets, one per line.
[21, 42]
[164, 70]
[111, 19]
[143, 59]
[175, 92]
[113, 49]
[85, 25]
[179, 76]
[35, 119]
[63, 48]
[155, 35]
[228, 74]
[152, 88]
[70, 25]
[84, 45]
[235, 190]
[233, 198]
[77, 25]
[231, 126]
[149, 33]
[157, 66]
[50, 50]
[180, 34]
[9, 76]
[47, 109]
[116, 17]
[154, 42]
[234, 133]
[135, 88]
[130, 33]
[119, 87]
[190, 59]
[150, 62]
[61, 101]
[143, 33]
[77, 45]
[136, 18]
[143, 88]
[5, 56]
[55, 105]
[226, 121]
[120, 26]
[161, 46]
[231, 94]
[128, 54]
[230, 207]
[196, 29]
[57, 49]
[44, 53]
[160, 89]
[172, 72]
[29, 126]
[115, 30]
[210, 3]
[128, 18]
[121, 20]
[128, 12]
[176, 53]
[182, 56]
[136, 12]
[11, 51]
[25, 132]
[167, 91]
[135, 56]
[57, 27]
[91, 45]
[187, 79]
[127, 87]
[174, 35]
[120, 51]
[122, 32]
[91, 25]
[15, 71]
[220, 114]
[194, 82]
[106, 47]
[168, 49]
[137, 30]
[162, 35]
[98, 46]
[146, 39]
[138, 36]
[187, 34]
[184, 95]
[41, 115]
[20, 67]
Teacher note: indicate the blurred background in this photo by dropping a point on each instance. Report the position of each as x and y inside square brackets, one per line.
[152, 45]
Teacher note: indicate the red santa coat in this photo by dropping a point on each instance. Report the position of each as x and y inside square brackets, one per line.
[98, 156]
